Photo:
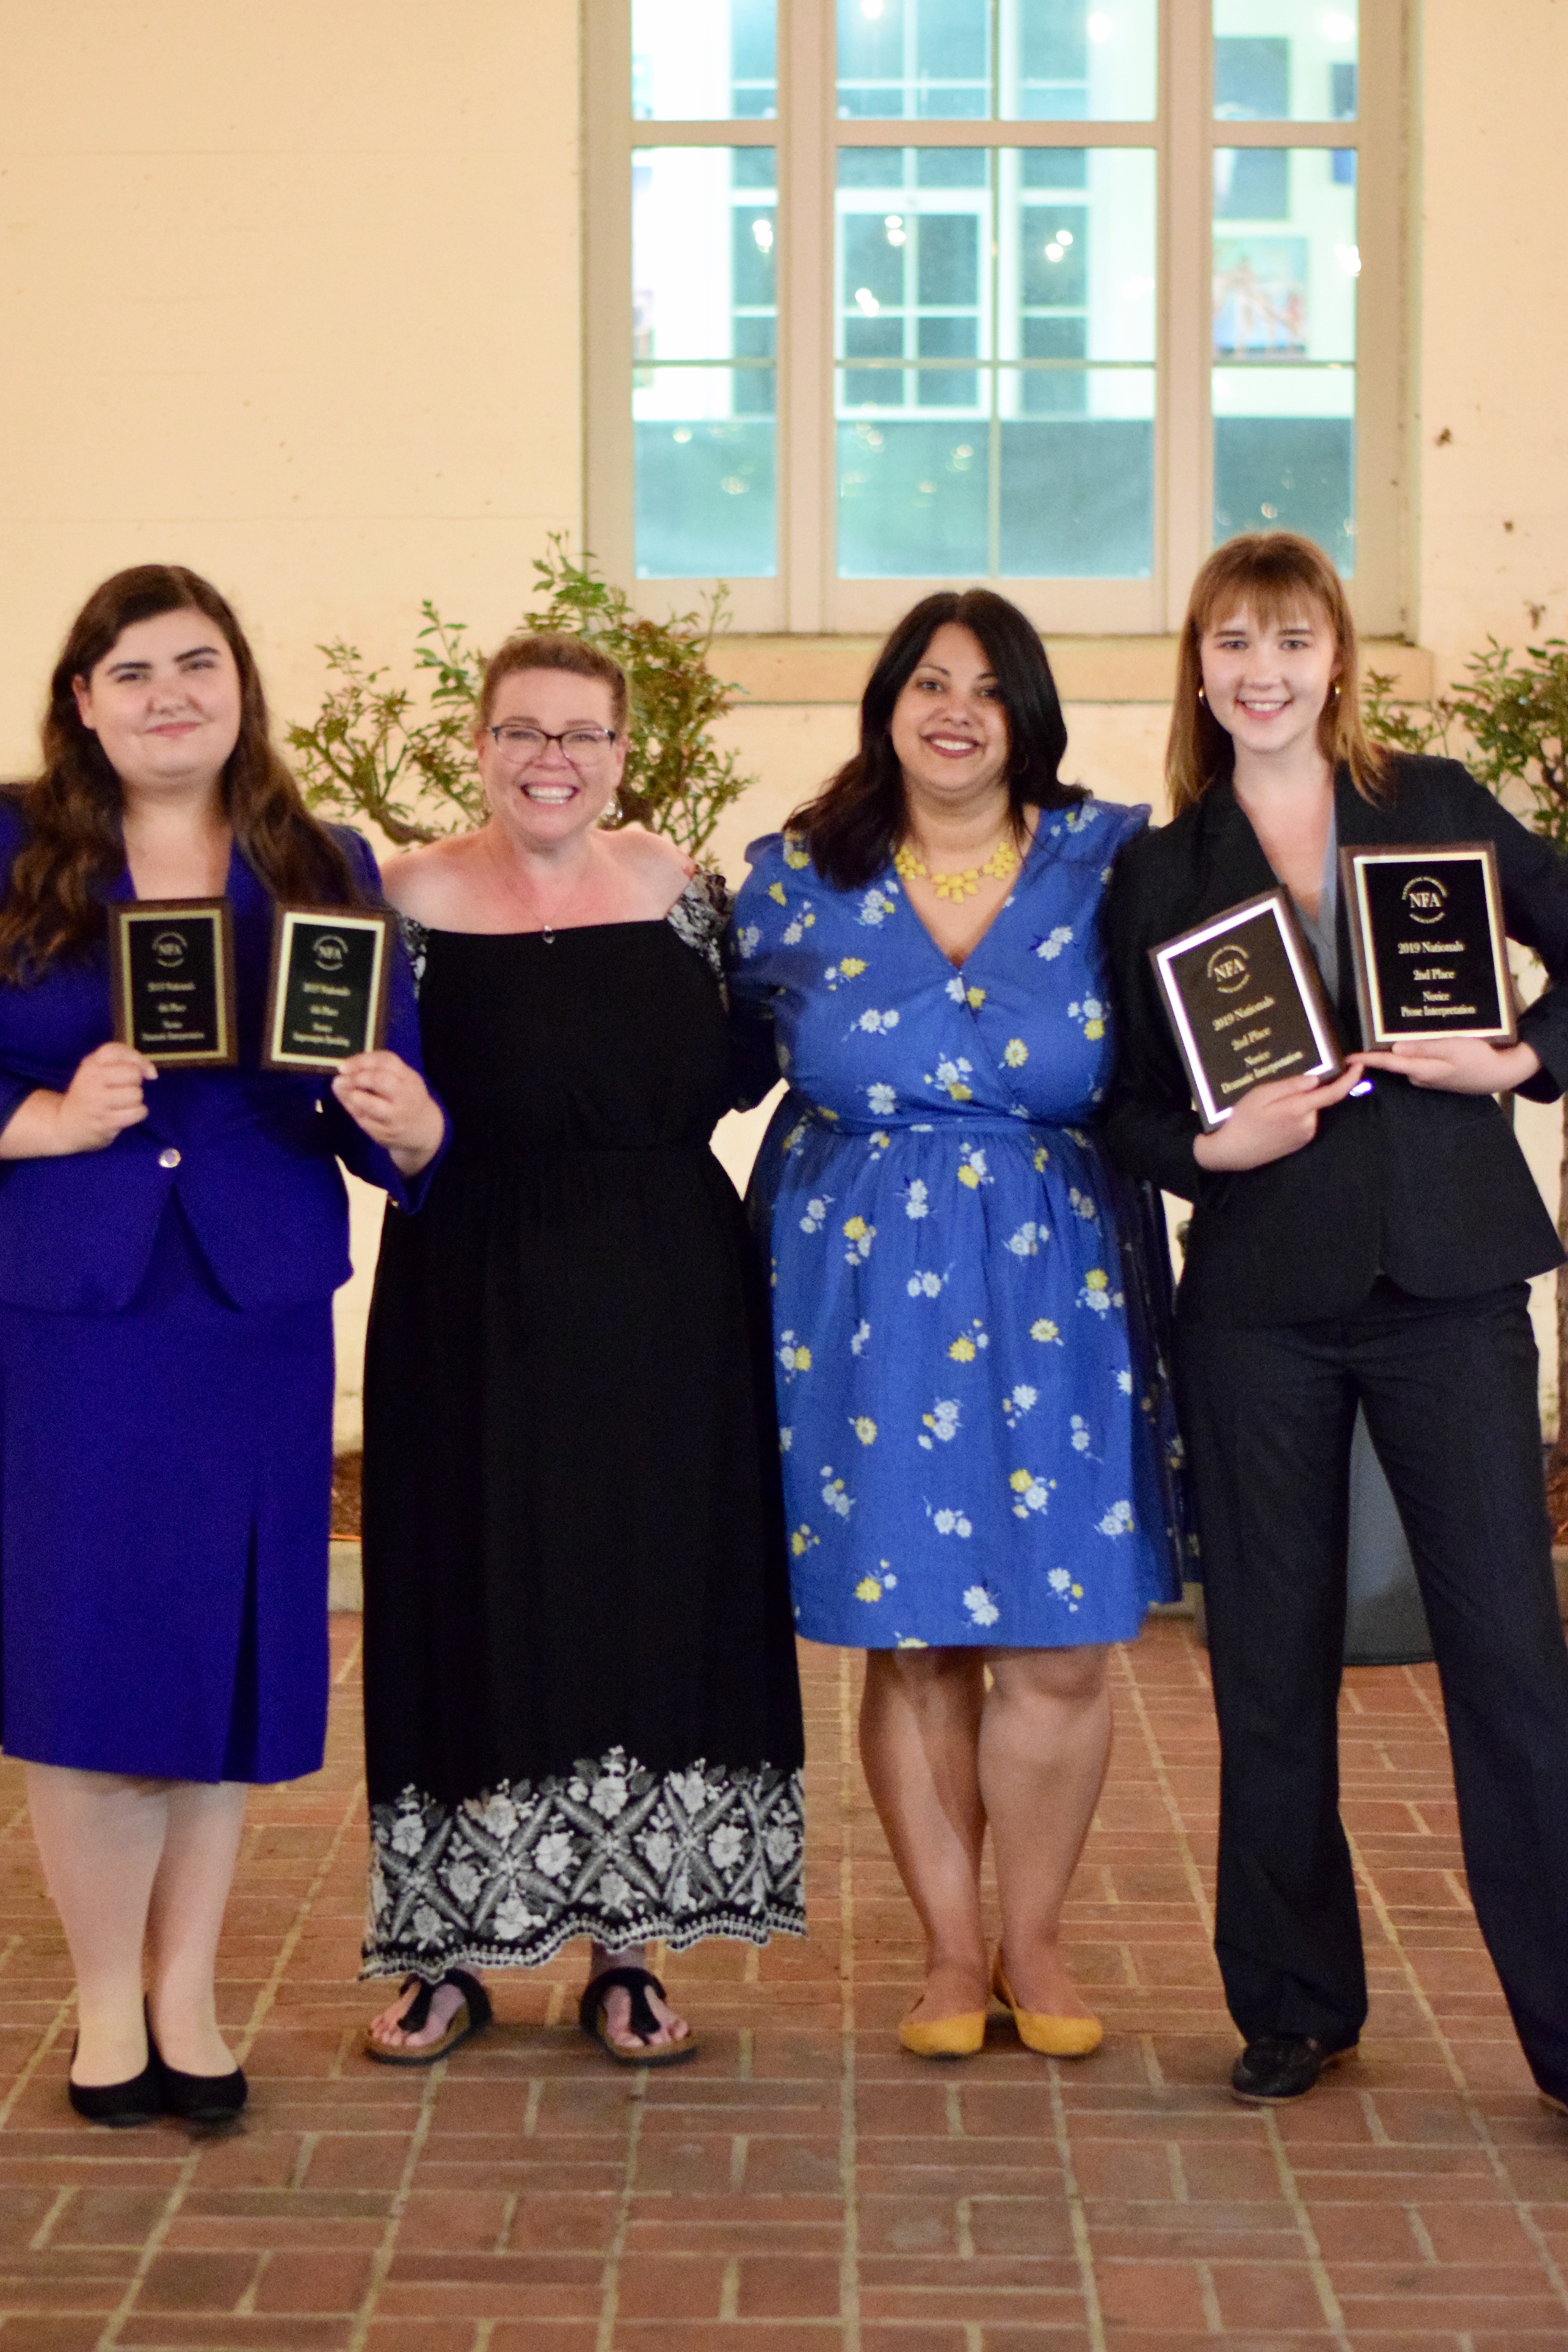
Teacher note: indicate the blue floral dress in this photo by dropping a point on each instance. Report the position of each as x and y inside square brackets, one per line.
[970, 1411]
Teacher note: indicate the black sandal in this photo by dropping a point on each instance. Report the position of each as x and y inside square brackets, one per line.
[463, 2024]
[638, 1982]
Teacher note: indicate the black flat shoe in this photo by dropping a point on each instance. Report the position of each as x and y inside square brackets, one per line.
[119, 2105]
[199, 2098]
[204, 2098]
[1280, 2067]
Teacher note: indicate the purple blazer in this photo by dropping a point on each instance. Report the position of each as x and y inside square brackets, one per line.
[251, 1154]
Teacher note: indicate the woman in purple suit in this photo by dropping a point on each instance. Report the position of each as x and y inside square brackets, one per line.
[169, 1245]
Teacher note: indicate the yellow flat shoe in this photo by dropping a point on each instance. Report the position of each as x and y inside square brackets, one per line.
[1051, 2037]
[945, 2037]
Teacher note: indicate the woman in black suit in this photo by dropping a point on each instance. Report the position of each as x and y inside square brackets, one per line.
[1367, 1240]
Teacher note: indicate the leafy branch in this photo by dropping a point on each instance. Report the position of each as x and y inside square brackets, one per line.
[370, 750]
[1511, 720]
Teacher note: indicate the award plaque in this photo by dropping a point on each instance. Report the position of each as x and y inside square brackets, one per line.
[1431, 953]
[1247, 1003]
[327, 999]
[172, 973]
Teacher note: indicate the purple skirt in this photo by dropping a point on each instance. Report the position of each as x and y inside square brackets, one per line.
[165, 1478]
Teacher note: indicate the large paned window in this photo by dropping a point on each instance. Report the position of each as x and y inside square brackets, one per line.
[1055, 293]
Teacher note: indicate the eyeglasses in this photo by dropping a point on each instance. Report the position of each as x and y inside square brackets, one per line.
[584, 747]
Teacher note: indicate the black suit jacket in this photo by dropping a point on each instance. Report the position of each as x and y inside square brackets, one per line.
[1425, 1187]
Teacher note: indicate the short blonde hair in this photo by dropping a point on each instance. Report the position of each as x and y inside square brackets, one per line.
[555, 649]
[1268, 575]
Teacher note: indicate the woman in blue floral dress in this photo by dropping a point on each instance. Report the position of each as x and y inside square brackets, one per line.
[969, 1415]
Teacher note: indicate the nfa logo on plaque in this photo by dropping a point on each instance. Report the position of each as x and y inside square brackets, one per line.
[1424, 898]
[1228, 968]
[327, 997]
[172, 978]
[1429, 943]
[1246, 1003]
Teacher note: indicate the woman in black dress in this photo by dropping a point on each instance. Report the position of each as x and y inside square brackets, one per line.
[1365, 1241]
[582, 1710]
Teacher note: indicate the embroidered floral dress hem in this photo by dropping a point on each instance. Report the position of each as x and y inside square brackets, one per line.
[611, 1850]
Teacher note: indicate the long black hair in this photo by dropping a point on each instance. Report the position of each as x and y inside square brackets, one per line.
[854, 823]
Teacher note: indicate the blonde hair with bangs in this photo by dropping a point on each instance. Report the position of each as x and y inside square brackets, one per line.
[1270, 576]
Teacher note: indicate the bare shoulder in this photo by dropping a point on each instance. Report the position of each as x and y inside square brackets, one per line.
[648, 866]
[429, 882]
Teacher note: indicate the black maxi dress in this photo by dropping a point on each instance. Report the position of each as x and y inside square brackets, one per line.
[581, 1711]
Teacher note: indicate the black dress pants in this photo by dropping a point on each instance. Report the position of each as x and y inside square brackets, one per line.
[1449, 1392]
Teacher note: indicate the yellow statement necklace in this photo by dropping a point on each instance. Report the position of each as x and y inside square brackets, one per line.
[1000, 866]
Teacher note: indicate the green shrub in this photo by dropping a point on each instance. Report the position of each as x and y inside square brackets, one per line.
[375, 750]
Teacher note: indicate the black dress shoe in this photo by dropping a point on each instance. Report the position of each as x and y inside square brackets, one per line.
[1280, 2067]
[120, 2104]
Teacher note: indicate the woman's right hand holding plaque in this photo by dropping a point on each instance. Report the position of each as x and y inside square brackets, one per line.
[1274, 1119]
[103, 1098]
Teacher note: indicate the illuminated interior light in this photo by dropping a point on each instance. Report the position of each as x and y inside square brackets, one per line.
[1098, 27]
[866, 301]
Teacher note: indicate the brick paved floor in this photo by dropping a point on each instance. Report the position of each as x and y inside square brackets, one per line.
[804, 2186]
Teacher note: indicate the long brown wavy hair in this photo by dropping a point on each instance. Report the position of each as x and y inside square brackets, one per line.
[72, 809]
[854, 824]
[1269, 575]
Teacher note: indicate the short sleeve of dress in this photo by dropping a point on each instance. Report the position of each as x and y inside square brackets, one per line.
[701, 917]
[416, 938]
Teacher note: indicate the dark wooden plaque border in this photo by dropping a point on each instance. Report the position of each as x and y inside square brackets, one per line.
[1376, 1035]
[1320, 1019]
[358, 918]
[122, 913]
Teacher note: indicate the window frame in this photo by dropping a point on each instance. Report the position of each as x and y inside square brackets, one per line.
[807, 597]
